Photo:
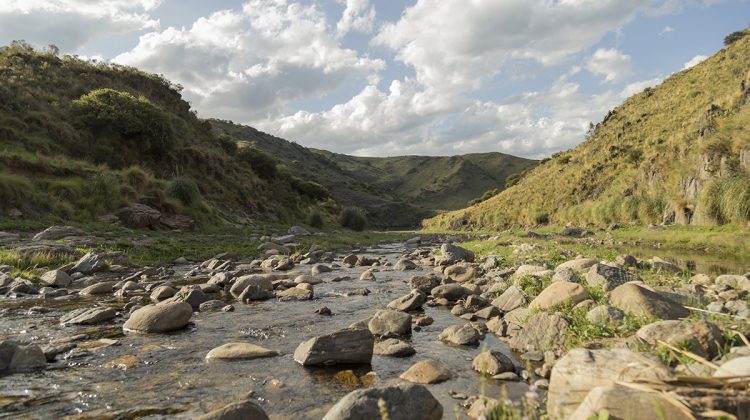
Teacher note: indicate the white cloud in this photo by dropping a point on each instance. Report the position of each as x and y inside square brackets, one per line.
[359, 15]
[247, 64]
[694, 61]
[69, 24]
[611, 63]
[456, 45]
[667, 31]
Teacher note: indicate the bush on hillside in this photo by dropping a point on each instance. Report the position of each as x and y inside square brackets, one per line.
[309, 188]
[352, 218]
[262, 164]
[135, 119]
[540, 217]
[183, 189]
[228, 144]
[315, 219]
[734, 37]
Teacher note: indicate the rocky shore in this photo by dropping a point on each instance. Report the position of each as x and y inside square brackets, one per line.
[424, 329]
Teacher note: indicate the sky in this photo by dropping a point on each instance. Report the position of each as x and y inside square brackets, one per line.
[394, 77]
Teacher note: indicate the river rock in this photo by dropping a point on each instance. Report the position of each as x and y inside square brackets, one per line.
[734, 281]
[558, 294]
[16, 358]
[281, 249]
[158, 318]
[394, 348]
[390, 323]
[88, 264]
[368, 275]
[300, 292]
[348, 346]
[162, 292]
[320, 268]
[531, 270]
[661, 265]
[511, 299]
[424, 283]
[739, 366]
[488, 312]
[243, 410]
[639, 301]
[98, 288]
[192, 295]
[411, 302]
[604, 315]
[239, 351]
[460, 335]
[702, 338]
[451, 292]
[460, 273]
[543, 331]
[608, 277]
[264, 282]
[566, 275]
[88, 316]
[454, 253]
[578, 264]
[402, 402]
[581, 370]
[626, 402]
[426, 372]
[492, 362]
[254, 292]
[304, 278]
[56, 278]
[404, 264]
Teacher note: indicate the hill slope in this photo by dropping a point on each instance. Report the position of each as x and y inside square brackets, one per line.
[81, 139]
[677, 152]
[394, 191]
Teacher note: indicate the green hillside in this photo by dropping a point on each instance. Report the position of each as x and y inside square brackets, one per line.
[80, 139]
[394, 191]
[679, 152]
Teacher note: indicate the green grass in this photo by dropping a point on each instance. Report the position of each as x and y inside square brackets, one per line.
[25, 265]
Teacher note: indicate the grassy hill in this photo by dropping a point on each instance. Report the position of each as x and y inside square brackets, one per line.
[676, 152]
[394, 191]
[81, 139]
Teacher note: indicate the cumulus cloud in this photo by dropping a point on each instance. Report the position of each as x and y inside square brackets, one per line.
[611, 63]
[694, 61]
[248, 64]
[359, 15]
[70, 24]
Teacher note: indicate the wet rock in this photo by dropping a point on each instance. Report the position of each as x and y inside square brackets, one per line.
[626, 402]
[254, 292]
[158, 318]
[460, 335]
[543, 331]
[423, 321]
[604, 315]
[53, 349]
[54, 233]
[16, 358]
[608, 277]
[404, 264]
[511, 299]
[56, 278]
[350, 259]
[88, 316]
[239, 351]
[394, 348]
[426, 372]
[507, 376]
[557, 294]
[411, 302]
[581, 370]
[424, 283]
[263, 282]
[125, 362]
[98, 288]
[191, 295]
[401, 402]
[460, 273]
[211, 305]
[244, 410]
[390, 323]
[639, 301]
[367, 275]
[492, 362]
[702, 338]
[452, 254]
[324, 311]
[451, 292]
[346, 346]
[320, 268]
[88, 264]
[300, 292]
[162, 292]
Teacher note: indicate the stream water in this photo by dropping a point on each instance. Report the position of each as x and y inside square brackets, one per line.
[171, 376]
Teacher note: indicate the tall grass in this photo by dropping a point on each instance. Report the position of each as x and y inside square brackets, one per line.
[725, 200]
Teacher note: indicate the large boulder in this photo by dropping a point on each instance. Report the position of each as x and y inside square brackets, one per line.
[426, 372]
[558, 294]
[454, 253]
[451, 292]
[424, 283]
[608, 277]
[158, 318]
[543, 331]
[511, 299]
[263, 281]
[402, 402]
[702, 338]
[630, 402]
[581, 370]
[56, 278]
[390, 323]
[639, 301]
[492, 362]
[460, 272]
[139, 216]
[243, 410]
[349, 346]
[411, 302]
[88, 264]
[404, 264]
[460, 335]
[18, 358]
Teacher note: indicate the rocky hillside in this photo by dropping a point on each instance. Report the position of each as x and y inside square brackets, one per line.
[82, 139]
[394, 191]
[676, 153]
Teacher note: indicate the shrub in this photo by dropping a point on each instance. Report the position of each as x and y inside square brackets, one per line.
[315, 219]
[352, 218]
[727, 199]
[136, 178]
[183, 189]
[734, 37]
[228, 144]
[262, 164]
[309, 188]
[135, 119]
[540, 217]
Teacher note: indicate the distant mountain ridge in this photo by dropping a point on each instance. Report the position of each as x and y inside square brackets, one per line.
[395, 191]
